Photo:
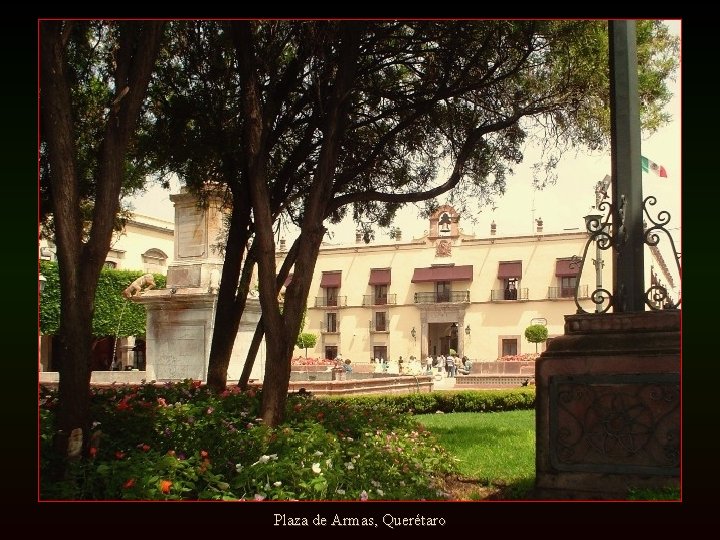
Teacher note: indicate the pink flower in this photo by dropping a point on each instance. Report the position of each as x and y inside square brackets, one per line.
[259, 497]
[363, 495]
[130, 483]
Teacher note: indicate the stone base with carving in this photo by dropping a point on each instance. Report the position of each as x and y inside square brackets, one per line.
[608, 406]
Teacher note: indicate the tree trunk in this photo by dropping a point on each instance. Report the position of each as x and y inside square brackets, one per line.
[251, 355]
[232, 297]
[80, 263]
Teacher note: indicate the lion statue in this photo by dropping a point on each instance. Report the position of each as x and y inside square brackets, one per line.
[147, 281]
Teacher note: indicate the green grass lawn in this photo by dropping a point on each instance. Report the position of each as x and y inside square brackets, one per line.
[496, 448]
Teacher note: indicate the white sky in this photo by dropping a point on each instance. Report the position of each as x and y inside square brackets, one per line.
[561, 206]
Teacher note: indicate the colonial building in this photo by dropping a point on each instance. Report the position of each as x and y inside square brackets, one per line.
[145, 243]
[448, 290]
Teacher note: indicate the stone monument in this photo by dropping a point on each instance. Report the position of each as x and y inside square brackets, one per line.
[181, 317]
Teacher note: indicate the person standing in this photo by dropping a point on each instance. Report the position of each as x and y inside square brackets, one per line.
[429, 364]
[450, 365]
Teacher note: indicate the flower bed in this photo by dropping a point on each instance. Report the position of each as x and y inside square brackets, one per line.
[180, 441]
[529, 357]
[302, 361]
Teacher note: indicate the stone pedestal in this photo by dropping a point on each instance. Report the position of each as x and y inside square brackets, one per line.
[179, 335]
[181, 317]
[608, 406]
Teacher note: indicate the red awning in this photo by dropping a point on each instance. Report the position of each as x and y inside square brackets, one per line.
[510, 269]
[379, 276]
[331, 279]
[563, 268]
[288, 280]
[443, 273]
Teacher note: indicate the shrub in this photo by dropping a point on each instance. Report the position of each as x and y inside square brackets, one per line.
[180, 441]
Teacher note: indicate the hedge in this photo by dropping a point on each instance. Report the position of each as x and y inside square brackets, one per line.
[109, 302]
[448, 401]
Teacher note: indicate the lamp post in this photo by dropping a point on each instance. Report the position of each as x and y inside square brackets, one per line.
[42, 280]
[593, 224]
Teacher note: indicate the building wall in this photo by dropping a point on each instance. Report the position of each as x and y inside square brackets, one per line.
[145, 244]
[489, 320]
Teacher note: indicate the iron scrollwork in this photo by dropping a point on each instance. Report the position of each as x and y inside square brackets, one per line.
[599, 228]
[657, 294]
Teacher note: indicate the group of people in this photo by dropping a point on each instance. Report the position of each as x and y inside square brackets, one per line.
[451, 364]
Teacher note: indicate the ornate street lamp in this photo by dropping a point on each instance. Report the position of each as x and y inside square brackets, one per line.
[41, 282]
[467, 330]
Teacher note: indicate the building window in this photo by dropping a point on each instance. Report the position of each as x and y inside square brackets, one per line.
[380, 321]
[510, 289]
[567, 286]
[110, 264]
[331, 322]
[154, 261]
[331, 296]
[442, 291]
[380, 295]
[508, 346]
[331, 352]
[380, 353]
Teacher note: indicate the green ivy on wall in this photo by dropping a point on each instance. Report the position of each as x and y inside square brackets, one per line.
[110, 304]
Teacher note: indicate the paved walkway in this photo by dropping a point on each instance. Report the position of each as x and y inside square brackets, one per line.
[446, 383]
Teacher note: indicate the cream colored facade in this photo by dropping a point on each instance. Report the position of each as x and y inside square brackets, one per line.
[446, 290]
[145, 243]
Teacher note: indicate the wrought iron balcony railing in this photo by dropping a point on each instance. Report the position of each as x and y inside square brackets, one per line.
[497, 295]
[326, 328]
[384, 327]
[442, 297]
[338, 301]
[372, 300]
[555, 293]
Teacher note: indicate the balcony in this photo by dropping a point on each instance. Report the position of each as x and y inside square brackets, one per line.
[442, 297]
[338, 301]
[326, 328]
[566, 293]
[372, 300]
[501, 295]
[383, 328]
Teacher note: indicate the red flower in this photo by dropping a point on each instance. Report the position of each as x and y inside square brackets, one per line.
[320, 415]
[130, 483]
[196, 384]
[122, 406]
[162, 402]
[93, 451]
[165, 486]
[145, 447]
[119, 454]
[203, 454]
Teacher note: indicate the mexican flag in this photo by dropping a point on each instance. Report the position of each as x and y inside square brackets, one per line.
[648, 166]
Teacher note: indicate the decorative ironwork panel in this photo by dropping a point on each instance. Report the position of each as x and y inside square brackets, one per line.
[624, 424]
[657, 294]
